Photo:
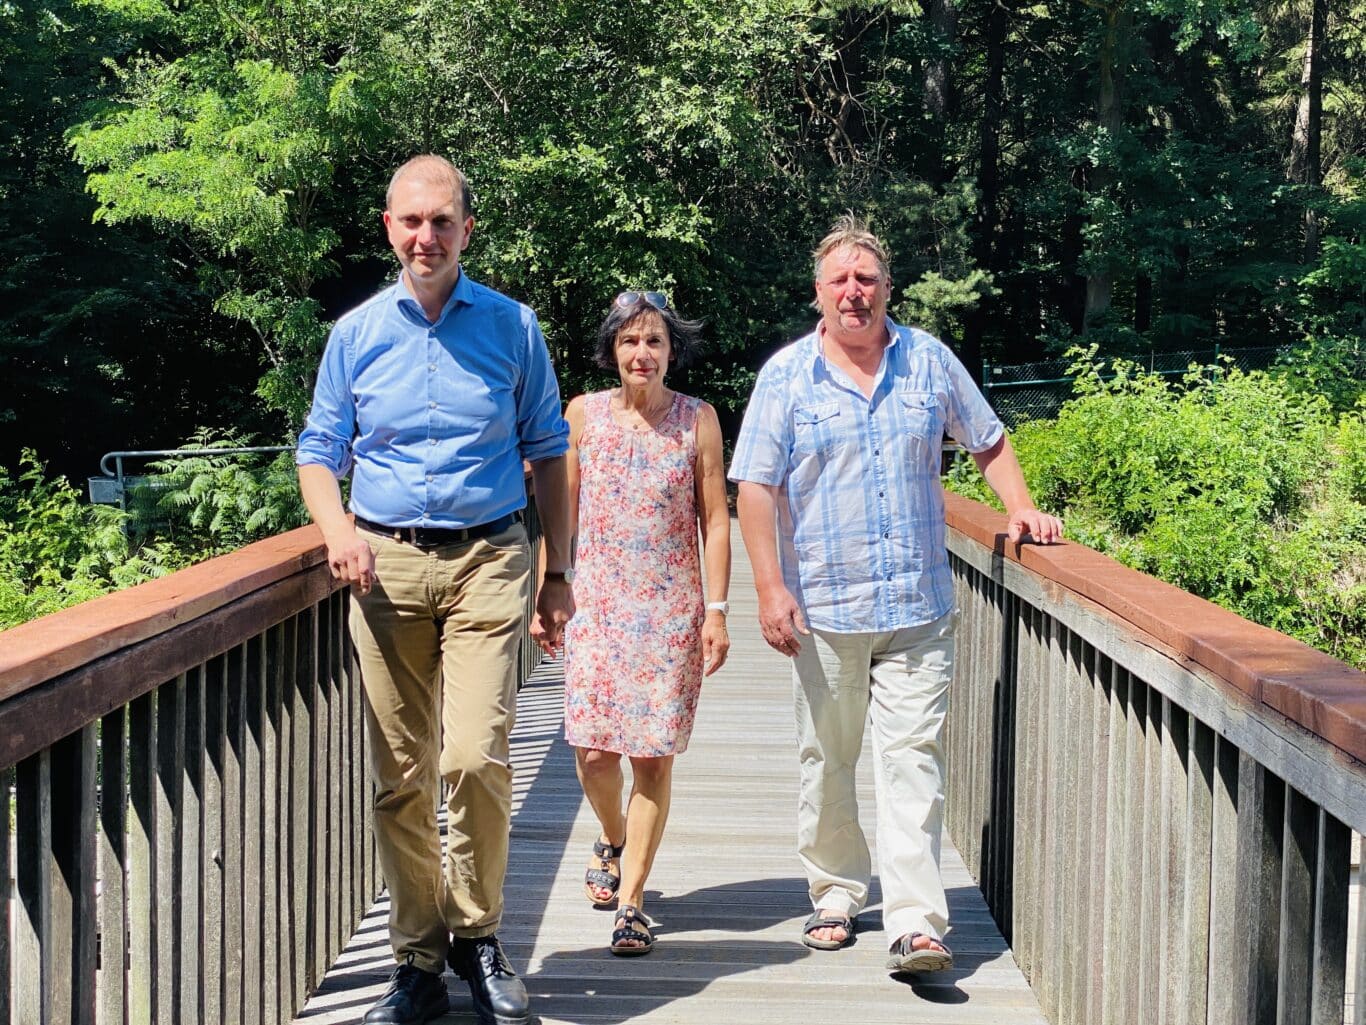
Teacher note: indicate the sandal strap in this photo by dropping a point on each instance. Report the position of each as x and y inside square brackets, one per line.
[633, 925]
[607, 851]
[604, 879]
[906, 945]
[822, 919]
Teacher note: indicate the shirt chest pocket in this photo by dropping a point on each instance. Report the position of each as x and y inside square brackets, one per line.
[920, 412]
[816, 427]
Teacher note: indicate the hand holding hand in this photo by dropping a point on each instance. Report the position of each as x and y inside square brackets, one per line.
[554, 608]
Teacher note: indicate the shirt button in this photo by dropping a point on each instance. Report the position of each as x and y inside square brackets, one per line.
[881, 494]
[431, 441]
[877, 451]
[430, 477]
[431, 405]
[431, 366]
[884, 536]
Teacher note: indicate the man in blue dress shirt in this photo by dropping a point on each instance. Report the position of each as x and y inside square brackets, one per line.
[431, 395]
[842, 514]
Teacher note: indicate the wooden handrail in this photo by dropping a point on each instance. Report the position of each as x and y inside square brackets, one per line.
[35, 652]
[1314, 690]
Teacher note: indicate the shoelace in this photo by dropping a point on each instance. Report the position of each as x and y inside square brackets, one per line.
[491, 956]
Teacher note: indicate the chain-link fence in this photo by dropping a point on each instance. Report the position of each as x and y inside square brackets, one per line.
[1036, 391]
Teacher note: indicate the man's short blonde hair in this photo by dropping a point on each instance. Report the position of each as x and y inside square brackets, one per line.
[431, 169]
[849, 231]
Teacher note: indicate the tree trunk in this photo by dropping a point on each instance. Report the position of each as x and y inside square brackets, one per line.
[1306, 164]
[939, 91]
[988, 180]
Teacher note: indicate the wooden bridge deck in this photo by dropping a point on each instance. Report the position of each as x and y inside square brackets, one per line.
[726, 889]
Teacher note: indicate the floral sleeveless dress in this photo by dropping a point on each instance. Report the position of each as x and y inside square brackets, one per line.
[633, 651]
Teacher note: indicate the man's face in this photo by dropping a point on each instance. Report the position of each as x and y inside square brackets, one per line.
[428, 232]
[852, 292]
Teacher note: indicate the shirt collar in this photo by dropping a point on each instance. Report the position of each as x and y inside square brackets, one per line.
[815, 355]
[462, 294]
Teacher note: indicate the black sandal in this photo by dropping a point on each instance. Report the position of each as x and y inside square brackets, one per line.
[905, 958]
[633, 927]
[824, 918]
[602, 876]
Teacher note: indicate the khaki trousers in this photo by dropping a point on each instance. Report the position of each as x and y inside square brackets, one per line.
[899, 679]
[455, 614]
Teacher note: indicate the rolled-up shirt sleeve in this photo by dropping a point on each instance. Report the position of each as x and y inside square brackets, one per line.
[326, 437]
[542, 430]
[971, 420]
[764, 444]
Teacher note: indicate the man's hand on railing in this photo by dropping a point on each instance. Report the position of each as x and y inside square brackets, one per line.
[351, 559]
[1040, 526]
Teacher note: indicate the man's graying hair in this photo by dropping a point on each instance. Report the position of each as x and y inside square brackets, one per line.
[851, 230]
[433, 170]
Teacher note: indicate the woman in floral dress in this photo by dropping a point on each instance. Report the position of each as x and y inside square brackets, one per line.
[645, 471]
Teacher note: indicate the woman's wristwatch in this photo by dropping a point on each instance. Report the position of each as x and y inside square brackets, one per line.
[722, 607]
[567, 575]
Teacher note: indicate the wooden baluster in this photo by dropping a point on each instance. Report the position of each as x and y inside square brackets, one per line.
[254, 829]
[8, 961]
[33, 882]
[112, 1005]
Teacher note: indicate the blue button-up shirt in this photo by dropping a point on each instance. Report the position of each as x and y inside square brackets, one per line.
[433, 420]
[861, 510]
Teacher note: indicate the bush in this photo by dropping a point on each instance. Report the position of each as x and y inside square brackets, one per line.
[1246, 489]
[55, 550]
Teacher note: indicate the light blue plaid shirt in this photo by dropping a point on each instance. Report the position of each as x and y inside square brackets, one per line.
[861, 513]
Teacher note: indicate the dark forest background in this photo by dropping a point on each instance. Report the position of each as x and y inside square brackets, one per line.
[190, 191]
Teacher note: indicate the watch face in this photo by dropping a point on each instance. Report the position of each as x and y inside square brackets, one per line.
[568, 575]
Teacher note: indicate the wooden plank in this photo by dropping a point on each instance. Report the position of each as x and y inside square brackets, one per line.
[112, 981]
[1118, 855]
[1174, 893]
[1226, 979]
[254, 829]
[1332, 876]
[273, 738]
[33, 872]
[1100, 672]
[198, 938]
[1192, 996]
[1050, 810]
[206, 706]
[74, 912]
[1298, 886]
[302, 882]
[43, 715]
[1152, 914]
[54, 645]
[7, 953]
[231, 841]
[170, 727]
[1075, 859]
[143, 909]
[1261, 816]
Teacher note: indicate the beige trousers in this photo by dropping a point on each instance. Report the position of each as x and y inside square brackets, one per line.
[453, 614]
[900, 681]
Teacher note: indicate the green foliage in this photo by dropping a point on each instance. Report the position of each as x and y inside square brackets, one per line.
[216, 503]
[55, 550]
[1241, 488]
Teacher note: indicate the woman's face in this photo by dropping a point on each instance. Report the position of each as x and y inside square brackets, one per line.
[643, 351]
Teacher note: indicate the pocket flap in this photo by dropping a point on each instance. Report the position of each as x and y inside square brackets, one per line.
[815, 414]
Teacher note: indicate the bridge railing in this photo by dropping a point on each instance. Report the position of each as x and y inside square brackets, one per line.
[185, 796]
[1156, 797]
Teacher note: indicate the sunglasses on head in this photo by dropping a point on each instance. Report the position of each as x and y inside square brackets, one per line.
[628, 299]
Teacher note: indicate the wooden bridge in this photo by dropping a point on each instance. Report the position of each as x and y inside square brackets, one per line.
[1152, 804]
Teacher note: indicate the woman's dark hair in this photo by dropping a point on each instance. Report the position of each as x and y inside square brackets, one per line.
[685, 336]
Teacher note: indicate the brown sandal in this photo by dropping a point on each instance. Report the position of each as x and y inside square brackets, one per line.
[602, 875]
[906, 958]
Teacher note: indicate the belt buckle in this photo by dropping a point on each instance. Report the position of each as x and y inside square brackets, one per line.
[411, 536]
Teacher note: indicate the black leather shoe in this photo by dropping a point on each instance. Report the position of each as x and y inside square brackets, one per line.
[499, 996]
[413, 997]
